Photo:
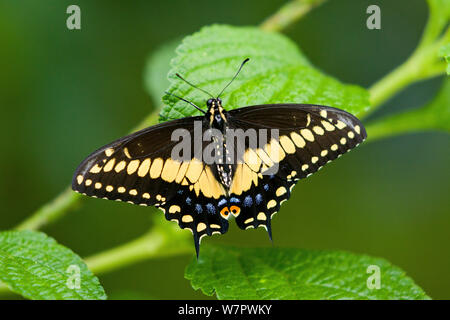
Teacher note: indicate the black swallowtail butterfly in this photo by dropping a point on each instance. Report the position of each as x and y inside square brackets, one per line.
[199, 196]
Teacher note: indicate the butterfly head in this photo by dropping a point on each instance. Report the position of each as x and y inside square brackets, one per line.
[214, 102]
[216, 113]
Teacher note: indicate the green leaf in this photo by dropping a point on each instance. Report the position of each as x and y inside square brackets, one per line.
[433, 116]
[37, 267]
[156, 69]
[276, 273]
[444, 52]
[277, 72]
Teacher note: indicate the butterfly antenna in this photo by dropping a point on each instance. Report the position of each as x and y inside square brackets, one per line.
[242, 64]
[192, 104]
[194, 86]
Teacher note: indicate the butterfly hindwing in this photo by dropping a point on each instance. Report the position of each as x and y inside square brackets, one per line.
[196, 212]
[260, 203]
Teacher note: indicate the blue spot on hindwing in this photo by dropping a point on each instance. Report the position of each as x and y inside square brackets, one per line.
[248, 201]
[210, 207]
[234, 200]
[188, 201]
[258, 198]
[222, 202]
[266, 187]
[198, 208]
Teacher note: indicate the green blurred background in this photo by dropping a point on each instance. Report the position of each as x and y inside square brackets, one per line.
[65, 93]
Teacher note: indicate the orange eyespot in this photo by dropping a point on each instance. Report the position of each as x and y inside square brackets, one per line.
[235, 210]
[225, 212]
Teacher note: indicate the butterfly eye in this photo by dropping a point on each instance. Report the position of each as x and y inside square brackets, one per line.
[235, 210]
[209, 102]
[219, 100]
[225, 212]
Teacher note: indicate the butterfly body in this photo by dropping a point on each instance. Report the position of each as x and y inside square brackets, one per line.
[217, 116]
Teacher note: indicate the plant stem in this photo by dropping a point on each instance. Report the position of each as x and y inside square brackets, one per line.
[51, 211]
[423, 64]
[68, 199]
[405, 122]
[289, 13]
[414, 69]
[151, 244]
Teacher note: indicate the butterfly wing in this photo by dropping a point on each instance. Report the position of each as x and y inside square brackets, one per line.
[310, 136]
[139, 169]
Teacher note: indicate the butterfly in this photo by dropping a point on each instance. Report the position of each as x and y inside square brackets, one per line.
[202, 195]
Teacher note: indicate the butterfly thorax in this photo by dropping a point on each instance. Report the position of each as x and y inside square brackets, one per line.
[216, 114]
